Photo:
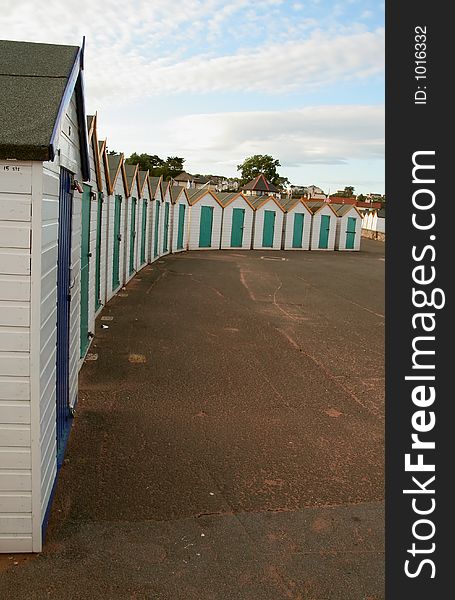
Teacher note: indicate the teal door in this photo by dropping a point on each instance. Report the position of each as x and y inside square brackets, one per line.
[85, 256]
[117, 240]
[181, 226]
[133, 235]
[99, 221]
[205, 227]
[238, 219]
[166, 228]
[143, 229]
[297, 236]
[269, 229]
[157, 228]
[350, 233]
[324, 231]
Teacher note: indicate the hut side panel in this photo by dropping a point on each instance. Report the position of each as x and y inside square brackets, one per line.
[228, 212]
[141, 232]
[118, 191]
[194, 225]
[15, 298]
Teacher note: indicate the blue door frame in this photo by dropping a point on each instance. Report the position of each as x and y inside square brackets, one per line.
[63, 311]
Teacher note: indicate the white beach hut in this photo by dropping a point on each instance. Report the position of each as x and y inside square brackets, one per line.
[165, 224]
[237, 224]
[131, 221]
[323, 226]
[118, 192]
[42, 169]
[349, 227]
[268, 223]
[180, 218]
[154, 217]
[297, 224]
[205, 220]
[143, 240]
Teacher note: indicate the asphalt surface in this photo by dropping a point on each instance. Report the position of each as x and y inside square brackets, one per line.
[228, 440]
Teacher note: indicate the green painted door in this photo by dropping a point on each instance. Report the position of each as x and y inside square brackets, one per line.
[205, 227]
[269, 229]
[181, 227]
[238, 219]
[133, 235]
[297, 236]
[85, 257]
[324, 231]
[157, 227]
[350, 233]
[166, 228]
[143, 229]
[99, 221]
[117, 240]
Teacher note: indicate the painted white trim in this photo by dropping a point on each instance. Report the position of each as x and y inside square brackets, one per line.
[35, 351]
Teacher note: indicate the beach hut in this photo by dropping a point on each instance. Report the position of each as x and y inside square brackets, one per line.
[131, 221]
[102, 250]
[97, 239]
[118, 192]
[44, 160]
[205, 220]
[237, 224]
[268, 222]
[323, 226]
[154, 216]
[348, 227]
[180, 214]
[165, 226]
[297, 224]
[143, 220]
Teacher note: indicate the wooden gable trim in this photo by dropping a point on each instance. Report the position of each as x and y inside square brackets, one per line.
[204, 194]
[241, 196]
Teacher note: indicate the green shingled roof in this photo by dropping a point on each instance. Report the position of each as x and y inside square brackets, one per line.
[33, 78]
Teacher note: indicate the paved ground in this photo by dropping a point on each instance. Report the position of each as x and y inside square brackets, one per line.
[228, 443]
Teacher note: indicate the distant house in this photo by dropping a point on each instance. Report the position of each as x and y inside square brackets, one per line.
[313, 192]
[260, 186]
[195, 182]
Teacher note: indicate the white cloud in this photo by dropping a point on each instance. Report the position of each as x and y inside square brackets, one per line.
[145, 48]
[330, 135]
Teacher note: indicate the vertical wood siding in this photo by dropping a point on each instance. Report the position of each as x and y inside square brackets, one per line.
[341, 228]
[175, 223]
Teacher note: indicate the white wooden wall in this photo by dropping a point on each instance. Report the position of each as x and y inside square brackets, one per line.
[145, 196]
[195, 215]
[247, 224]
[166, 200]
[15, 406]
[152, 217]
[118, 190]
[175, 223]
[316, 225]
[342, 223]
[289, 227]
[104, 238]
[259, 226]
[127, 233]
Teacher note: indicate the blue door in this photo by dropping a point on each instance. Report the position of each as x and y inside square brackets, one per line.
[63, 311]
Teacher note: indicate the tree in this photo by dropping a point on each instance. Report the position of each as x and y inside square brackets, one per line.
[260, 164]
[172, 166]
[349, 191]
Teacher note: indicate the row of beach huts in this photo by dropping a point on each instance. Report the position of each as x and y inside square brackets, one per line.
[76, 224]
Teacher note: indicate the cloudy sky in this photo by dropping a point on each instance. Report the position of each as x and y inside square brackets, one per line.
[216, 82]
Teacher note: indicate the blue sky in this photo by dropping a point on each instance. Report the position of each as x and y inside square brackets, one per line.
[215, 83]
